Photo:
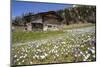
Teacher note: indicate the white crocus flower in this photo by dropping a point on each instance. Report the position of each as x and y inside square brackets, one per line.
[31, 62]
[21, 57]
[82, 45]
[46, 54]
[42, 57]
[63, 42]
[19, 63]
[94, 56]
[17, 59]
[86, 57]
[93, 47]
[86, 52]
[93, 51]
[23, 61]
[15, 56]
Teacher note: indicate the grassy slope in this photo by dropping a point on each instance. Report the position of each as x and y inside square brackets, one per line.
[19, 36]
[78, 26]
[56, 53]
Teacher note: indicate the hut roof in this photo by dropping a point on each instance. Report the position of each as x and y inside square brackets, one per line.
[50, 14]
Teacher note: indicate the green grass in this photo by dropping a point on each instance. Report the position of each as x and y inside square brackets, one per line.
[72, 26]
[20, 36]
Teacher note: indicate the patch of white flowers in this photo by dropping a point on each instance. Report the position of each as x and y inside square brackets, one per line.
[76, 45]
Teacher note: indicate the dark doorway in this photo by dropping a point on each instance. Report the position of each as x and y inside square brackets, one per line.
[37, 26]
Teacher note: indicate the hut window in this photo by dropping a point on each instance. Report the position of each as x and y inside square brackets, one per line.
[54, 26]
[49, 26]
[25, 28]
